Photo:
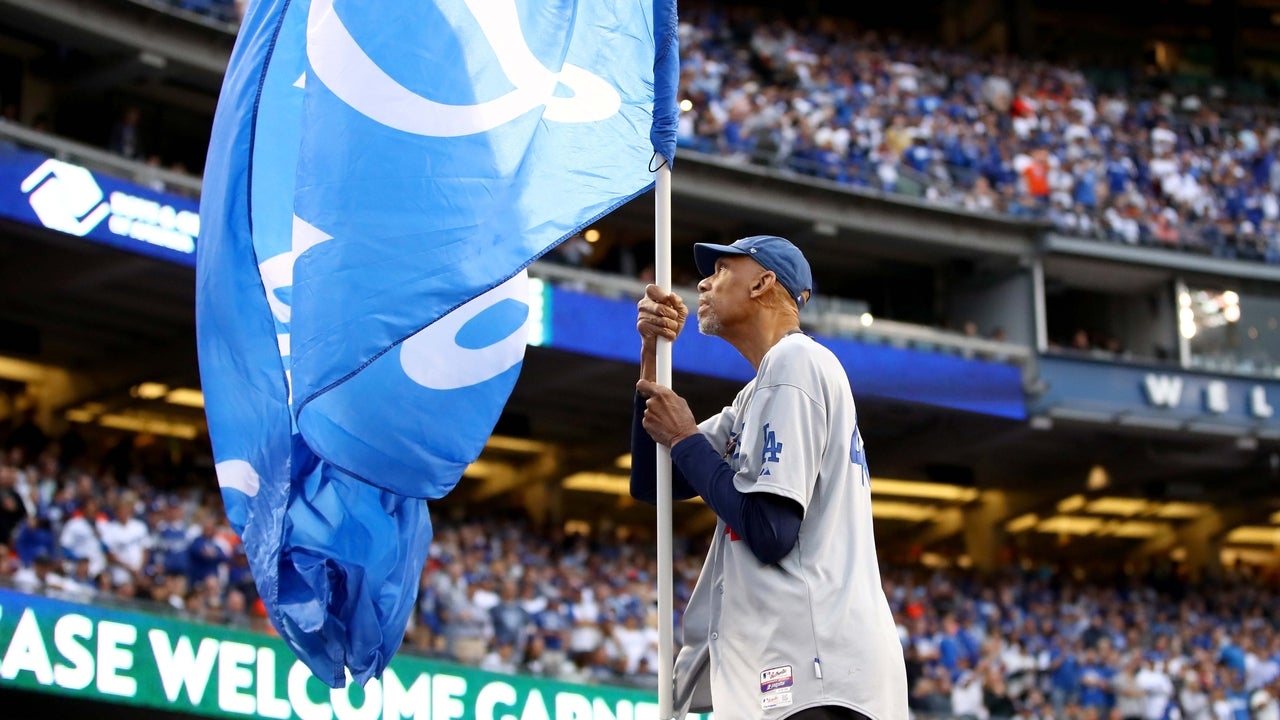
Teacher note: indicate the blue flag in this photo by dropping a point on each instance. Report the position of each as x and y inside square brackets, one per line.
[379, 177]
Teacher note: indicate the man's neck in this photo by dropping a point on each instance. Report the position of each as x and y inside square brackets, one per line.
[759, 336]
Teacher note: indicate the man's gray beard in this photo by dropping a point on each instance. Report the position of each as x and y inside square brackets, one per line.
[709, 325]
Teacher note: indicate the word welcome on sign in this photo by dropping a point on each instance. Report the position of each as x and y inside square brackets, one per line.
[139, 659]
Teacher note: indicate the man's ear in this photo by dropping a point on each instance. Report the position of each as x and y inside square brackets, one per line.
[764, 281]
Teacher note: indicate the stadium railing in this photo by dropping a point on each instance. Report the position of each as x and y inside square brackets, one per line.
[827, 316]
[98, 159]
[217, 14]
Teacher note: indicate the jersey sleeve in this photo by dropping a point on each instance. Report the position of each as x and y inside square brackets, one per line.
[719, 430]
[784, 434]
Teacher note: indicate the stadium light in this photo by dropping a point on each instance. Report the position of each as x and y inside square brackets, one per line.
[598, 482]
[152, 426]
[517, 445]
[1117, 506]
[1098, 478]
[1071, 504]
[1022, 523]
[483, 469]
[1255, 535]
[186, 397]
[22, 370]
[1247, 556]
[149, 390]
[1140, 529]
[928, 490]
[911, 512]
[1181, 510]
[79, 415]
[1069, 525]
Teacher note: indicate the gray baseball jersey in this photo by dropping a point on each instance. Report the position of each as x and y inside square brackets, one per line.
[766, 641]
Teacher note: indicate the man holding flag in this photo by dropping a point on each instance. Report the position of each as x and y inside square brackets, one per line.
[379, 177]
[788, 618]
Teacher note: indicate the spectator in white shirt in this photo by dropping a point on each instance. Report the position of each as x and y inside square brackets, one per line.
[1162, 138]
[1193, 699]
[1264, 704]
[636, 642]
[1130, 703]
[38, 575]
[128, 543]
[966, 693]
[80, 538]
[1221, 704]
[1156, 688]
[501, 659]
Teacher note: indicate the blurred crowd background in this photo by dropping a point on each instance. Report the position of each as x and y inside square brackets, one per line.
[500, 594]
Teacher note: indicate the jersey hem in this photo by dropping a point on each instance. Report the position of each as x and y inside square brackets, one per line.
[833, 703]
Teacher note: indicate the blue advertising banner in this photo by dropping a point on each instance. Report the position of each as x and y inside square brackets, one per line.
[1156, 396]
[45, 192]
[605, 328]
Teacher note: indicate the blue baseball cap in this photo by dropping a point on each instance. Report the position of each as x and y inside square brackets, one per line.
[772, 252]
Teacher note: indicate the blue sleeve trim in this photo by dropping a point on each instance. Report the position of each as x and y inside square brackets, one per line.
[769, 523]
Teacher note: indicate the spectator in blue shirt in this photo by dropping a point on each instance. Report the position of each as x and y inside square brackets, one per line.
[205, 556]
[1095, 682]
[172, 539]
[511, 622]
[1064, 674]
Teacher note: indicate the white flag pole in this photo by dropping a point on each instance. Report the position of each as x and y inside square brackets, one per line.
[666, 605]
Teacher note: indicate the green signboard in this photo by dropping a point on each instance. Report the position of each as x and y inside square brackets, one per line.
[141, 659]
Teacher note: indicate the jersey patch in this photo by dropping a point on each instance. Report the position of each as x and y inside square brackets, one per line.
[775, 687]
[776, 678]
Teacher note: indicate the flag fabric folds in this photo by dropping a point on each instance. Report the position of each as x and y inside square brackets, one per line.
[380, 175]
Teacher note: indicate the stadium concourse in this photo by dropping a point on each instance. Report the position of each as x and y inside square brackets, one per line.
[1056, 295]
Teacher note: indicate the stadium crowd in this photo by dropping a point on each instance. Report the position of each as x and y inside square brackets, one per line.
[1005, 135]
[987, 134]
[499, 595]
